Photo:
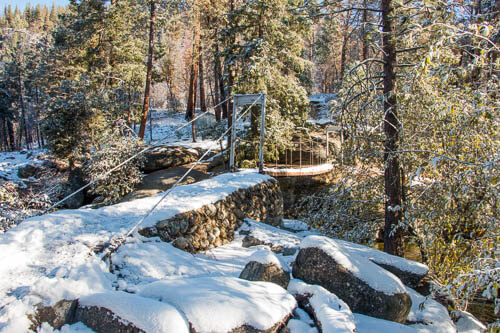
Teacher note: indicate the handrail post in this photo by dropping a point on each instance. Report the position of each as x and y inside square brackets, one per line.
[262, 130]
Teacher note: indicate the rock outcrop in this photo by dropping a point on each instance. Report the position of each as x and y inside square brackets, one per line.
[365, 287]
[165, 157]
[101, 319]
[408, 277]
[226, 304]
[58, 315]
[264, 266]
[214, 224]
[329, 312]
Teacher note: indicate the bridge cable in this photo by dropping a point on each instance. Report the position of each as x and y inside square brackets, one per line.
[121, 239]
[104, 175]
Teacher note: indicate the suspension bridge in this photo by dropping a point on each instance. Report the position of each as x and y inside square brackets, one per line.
[308, 154]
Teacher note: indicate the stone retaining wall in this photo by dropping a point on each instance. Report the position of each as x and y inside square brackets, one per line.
[214, 224]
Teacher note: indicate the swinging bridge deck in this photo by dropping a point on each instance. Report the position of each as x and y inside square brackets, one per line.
[297, 172]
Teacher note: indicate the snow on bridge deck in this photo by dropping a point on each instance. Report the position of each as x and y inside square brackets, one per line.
[291, 172]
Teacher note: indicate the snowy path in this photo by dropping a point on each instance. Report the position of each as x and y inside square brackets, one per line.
[49, 258]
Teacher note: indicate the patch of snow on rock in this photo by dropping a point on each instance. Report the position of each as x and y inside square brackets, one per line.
[429, 316]
[74, 328]
[333, 313]
[366, 324]
[298, 326]
[265, 257]
[144, 313]
[221, 304]
[295, 225]
[467, 323]
[271, 235]
[356, 263]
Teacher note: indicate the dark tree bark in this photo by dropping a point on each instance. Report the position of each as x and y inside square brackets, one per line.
[393, 235]
[217, 79]
[27, 135]
[193, 80]
[203, 102]
[364, 52]
[147, 90]
[343, 54]
[230, 84]
[10, 133]
[38, 131]
[4, 143]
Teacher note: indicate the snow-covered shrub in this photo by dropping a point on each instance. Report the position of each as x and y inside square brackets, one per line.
[111, 153]
[17, 204]
[346, 210]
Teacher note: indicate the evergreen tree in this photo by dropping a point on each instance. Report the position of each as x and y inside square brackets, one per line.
[268, 51]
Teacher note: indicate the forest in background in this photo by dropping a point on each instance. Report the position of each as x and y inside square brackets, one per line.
[416, 85]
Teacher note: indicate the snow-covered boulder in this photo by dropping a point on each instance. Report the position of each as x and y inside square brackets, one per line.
[226, 304]
[365, 324]
[57, 316]
[263, 265]
[330, 313]
[366, 287]
[467, 323]
[408, 271]
[123, 312]
[428, 316]
[165, 157]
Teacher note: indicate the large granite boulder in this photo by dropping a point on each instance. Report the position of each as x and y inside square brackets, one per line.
[329, 312]
[366, 287]
[57, 316]
[165, 157]
[264, 266]
[128, 313]
[408, 271]
[226, 304]
[113, 311]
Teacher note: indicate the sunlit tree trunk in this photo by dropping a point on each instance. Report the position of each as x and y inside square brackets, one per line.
[147, 91]
[393, 233]
[203, 103]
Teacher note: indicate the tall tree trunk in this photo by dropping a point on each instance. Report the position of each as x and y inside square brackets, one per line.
[393, 235]
[27, 136]
[230, 84]
[4, 144]
[193, 83]
[217, 78]
[147, 90]
[364, 52]
[10, 133]
[219, 84]
[191, 101]
[38, 129]
[343, 54]
[203, 102]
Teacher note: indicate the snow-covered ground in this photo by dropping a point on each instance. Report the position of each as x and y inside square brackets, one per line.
[157, 286]
[168, 130]
[49, 258]
[10, 162]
